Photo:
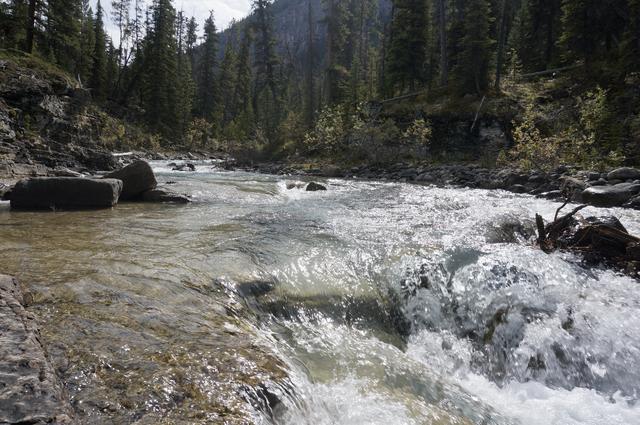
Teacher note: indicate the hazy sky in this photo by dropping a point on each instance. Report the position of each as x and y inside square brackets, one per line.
[224, 11]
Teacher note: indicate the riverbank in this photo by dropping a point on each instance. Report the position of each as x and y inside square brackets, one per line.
[615, 188]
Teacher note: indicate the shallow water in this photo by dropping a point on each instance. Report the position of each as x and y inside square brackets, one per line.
[371, 303]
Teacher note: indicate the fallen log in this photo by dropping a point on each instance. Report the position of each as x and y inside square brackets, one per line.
[601, 240]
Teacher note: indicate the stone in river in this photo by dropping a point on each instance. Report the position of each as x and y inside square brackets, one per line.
[624, 173]
[136, 177]
[610, 196]
[43, 193]
[164, 196]
[314, 187]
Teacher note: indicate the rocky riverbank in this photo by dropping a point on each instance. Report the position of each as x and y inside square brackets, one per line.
[616, 188]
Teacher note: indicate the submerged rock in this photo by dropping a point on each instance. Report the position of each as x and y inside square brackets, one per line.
[315, 187]
[164, 196]
[610, 196]
[66, 193]
[30, 390]
[137, 178]
[184, 167]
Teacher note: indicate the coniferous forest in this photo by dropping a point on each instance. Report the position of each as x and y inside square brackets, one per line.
[358, 79]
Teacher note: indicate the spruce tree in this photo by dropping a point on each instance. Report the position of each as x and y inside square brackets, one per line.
[63, 32]
[98, 78]
[207, 90]
[471, 71]
[408, 50]
[631, 42]
[337, 57]
[580, 30]
[185, 83]
[87, 44]
[226, 82]
[266, 101]
[243, 118]
[161, 72]
[538, 29]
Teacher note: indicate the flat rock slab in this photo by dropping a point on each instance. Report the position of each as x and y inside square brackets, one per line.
[44, 193]
[164, 196]
[30, 392]
[137, 178]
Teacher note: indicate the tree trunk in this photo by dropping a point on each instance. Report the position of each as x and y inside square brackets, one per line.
[442, 29]
[31, 26]
[502, 40]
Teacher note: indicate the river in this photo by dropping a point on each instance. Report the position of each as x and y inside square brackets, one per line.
[370, 303]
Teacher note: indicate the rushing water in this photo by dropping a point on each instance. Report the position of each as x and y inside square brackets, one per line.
[371, 303]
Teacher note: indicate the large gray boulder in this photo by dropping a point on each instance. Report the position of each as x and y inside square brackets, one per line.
[610, 196]
[65, 193]
[136, 177]
[30, 392]
[624, 173]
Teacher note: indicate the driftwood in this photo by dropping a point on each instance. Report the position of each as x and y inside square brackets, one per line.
[598, 239]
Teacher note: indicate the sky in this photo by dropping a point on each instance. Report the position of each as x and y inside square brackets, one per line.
[224, 11]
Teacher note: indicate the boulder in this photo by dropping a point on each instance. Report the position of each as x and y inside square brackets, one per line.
[136, 177]
[184, 167]
[164, 196]
[5, 192]
[65, 193]
[633, 203]
[624, 173]
[315, 187]
[610, 196]
[31, 391]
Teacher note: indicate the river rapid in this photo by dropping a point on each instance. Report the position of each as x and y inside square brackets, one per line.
[370, 303]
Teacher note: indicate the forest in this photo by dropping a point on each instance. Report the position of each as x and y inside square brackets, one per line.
[358, 79]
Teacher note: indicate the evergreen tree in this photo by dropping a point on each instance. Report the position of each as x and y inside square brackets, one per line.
[98, 78]
[87, 44]
[161, 72]
[408, 50]
[471, 71]
[538, 32]
[226, 82]
[310, 98]
[191, 39]
[243, 120]
[580, 37]
[63, 32]
[631, 41]
[266, 100]
[207, 90]
[185, 83]
[337, 57]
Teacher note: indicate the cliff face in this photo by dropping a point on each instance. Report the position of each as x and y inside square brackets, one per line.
[46, 121]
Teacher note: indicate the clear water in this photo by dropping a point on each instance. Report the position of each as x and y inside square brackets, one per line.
[371, 303]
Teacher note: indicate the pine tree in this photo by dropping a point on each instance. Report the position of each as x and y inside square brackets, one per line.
[266, 101]
[161, 71]
[337, 57]
[87, 44]
[191, 39]
[580, 25]
[441, 13]
[99, 60]
[631, 43]
[310, 98]
[408, 50]
[538, 30]
[243, 119]
[207, 90]
[227, 81]
[63, 32]
[185, 83]
[120, 15]
[471, 71]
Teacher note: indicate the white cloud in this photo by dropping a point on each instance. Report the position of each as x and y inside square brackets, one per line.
[224, 11]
